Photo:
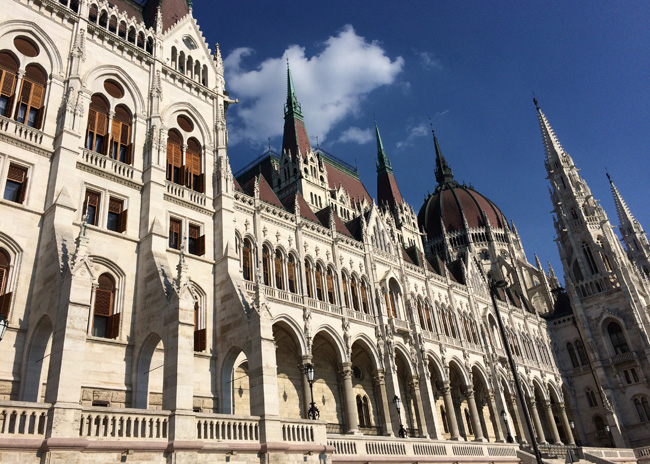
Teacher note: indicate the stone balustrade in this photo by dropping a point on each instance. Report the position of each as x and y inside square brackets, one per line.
[183, 193]
[224, 427]
[22, 132]
[23, 420]
[134, 424]
[304, 431]
[109, 165]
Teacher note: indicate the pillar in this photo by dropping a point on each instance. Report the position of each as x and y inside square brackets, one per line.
[551, 421]
[350, 404]
[517, 422]
[380, 382]
[419, 410]
[496, 418]
[306, 391]
[532, 406]
[451, 413]
[566, 425]
[473, 412]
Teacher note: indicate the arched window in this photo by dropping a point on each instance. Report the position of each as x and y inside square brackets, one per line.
[247, 260]
[112, 24]
[366, 411]
[194, 178]
[32, 95]
[266, 265]
[140, 39]
[278, 265]
[586, 249]
[355, 296]
[330, 286]
[468, 420]
[360, 414]
[181, 62]
[122, 30]
[121, 135]
[642, 409]
[291, 273]
[92, 14]
[103, 19]
[591, 398]
[599, 423]
[364, 298]
[345, 290]
[443, 418]
[617, 337]
[97, 124]
[310, 290]
[131, 37]
[319, 282]
[474, 332]
[572, 354]
[174, 156]
[418, 304]
[106, 323]
[8, 72]
[582, 354]
[5, 296]
[204, 78]
[174, 58]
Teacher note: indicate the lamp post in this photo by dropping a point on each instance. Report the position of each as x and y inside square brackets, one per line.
[573, 432]
[313, 413]
[398, 405]
[494, 284]
[609, 435]
[504, 416]
[4, 323]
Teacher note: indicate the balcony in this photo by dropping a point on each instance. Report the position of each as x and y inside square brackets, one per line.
[124, 424]
[224, 427]
[623, 357]
[399, 325]
[186, 195]
[25, 133]
[104, 166]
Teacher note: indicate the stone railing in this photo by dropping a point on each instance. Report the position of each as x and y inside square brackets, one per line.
[224, 427]
[346, 446]
[609, 454]
[304, 431]
[188, 195]
[642, 454]
[399, 325]
[111, 423]
[109, 165]
[23, 420]
[21, 131]
[623, 357]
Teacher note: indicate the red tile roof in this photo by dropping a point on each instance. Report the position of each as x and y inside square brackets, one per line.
[387, 189]
[324, 217]
[295, 136]
[172, 11]
[266, 192]
[338, 176]
[305, 210]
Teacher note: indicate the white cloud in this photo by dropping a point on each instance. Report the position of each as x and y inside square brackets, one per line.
[415, 132]
[330, 85]
[429, 61]
[356, 135]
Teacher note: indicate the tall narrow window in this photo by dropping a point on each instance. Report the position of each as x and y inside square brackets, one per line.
[174, 157]
[591, 398]
[8, 71]
[330, 286]
[199, 334]
[393, 305]
[5, 297]
[116, 220]
[617, 338]
[366, 411]
[247, 261]
[364, 298]
[589, 257]
[16, 186]
[355, 294]
[319, 282]
[175, 235]
[582, 354]
[193, 176]
[106, 323]
[97, 124]
[195, 241]
[278, 265]
[32, 95]
[345, 291]
[310, 291]
[360, 415]
[91, 207]
[121, 136]
[291, 273]
[266, 265]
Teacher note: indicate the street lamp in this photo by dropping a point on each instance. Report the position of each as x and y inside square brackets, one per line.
[4, 323]
[609, 435]
[573, 432]
[398, 405]
[504, 416]
[313, 413]
[494, 284]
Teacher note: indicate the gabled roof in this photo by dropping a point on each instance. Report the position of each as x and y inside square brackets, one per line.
[266, 192]
[132, 9]
[305, 210]
[387, 189]
[171, 10]
[339, 175]
[324, 216]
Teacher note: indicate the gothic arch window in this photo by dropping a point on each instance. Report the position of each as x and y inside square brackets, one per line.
[92, 13]
[591, 397]
[174, 156]
[443, 418]
[97, 127]
[363, 290]
[30, 109]
[121, 32]
[5, 295]
[318, 277]
[112, 24]
[8, 73]
[468, 420]
[308, 271]
[354, 293]
[642, 409]
[200, 331]
[106, 322]
[266, 264]
[194, 178]
[603, 254]
[131, 36]
[617, 338]
[599, 423]
[278, 267]
[103, 19]
[586, 249]
[174, 58]
[247, 259]
[120, 143]
[291, 274]
[330, 282]
[346, 298]
[429, 316]
[582, 353]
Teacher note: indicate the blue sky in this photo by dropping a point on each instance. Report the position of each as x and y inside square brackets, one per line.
[469, 66]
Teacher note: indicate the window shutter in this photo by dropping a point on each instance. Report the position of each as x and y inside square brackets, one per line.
[36, 100]
[25, 91]
[200, 340]
[103, 302]
[201, 245]
[92, 119]
[124, 134]
[3, 276]
[23, 190]
[201, 187]
[16, 174]
[113, 326]
[116, 127]
[5, 303]
[8, 81]
[115, 206]
[121, 222]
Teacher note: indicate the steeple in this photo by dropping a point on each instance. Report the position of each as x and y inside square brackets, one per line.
[632, 233]
[383, 163]
[552, 146]
[444, 175]
[295, 139]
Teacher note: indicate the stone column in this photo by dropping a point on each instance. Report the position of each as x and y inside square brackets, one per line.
[380, 382]
[473, 412]
[566, 425]
[532, 406]
[419, 410]
[551, 421]
[496, 418]
[348, 394]
[451, 413]
[517, 426]
[306, 391]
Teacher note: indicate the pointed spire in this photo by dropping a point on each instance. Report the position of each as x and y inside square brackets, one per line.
[383, 163]
[538, 263]
[292, 107]
[552, 146]
[625, 217]
[444, 175]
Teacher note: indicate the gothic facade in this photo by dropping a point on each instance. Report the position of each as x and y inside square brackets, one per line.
[162, 309]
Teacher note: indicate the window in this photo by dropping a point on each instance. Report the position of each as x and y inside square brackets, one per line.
[16, 186]
[345, 291]
[330, 286]
[310, 291]
[199, 334]
[319, 282]
[278, 265]
[443, 418]
[106, 323]
[266, 257]
[175, 235]
[174, 157]
[196, 241]
[32, 94]
[97, 124]
[193, 176]
[8, 71]
[116, 220]
[247, 262]
[353, 291]
[591, 398]
[590, 258]
[582, 354]
[121, 135]
[572, 355]
[291, 273]
[642, 409]
[91, 207]
[364, 298]
[617, 338]
[5, 297]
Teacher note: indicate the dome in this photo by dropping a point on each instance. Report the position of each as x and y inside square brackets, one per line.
[451, 203]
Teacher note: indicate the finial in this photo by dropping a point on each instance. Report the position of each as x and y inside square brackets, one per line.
[269, 144]
[608, 176]
[317, 142]
[535, 101]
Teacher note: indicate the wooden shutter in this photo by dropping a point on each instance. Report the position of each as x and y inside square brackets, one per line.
[201, 187]
[7, 84]
[121, 221]
[200, 340]
[113, 326]
[200, 245]
[36, 99]
[116, 128]
[5, 304]
[246, 258]
[17, 174]
[3, 277]
[103, 302]
[175, 234]
[330, 288]
[92, 119]
[23, 190]
[114, 206]
[92, 199]
[100, 125]
[291, 270]
[26, 89]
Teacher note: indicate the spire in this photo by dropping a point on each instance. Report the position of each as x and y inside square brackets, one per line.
[292, 108]
[626, 220]
[295, 140]
[383, 163]
[552, 146]
[444, 175]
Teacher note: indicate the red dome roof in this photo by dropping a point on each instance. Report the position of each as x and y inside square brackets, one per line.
[452, 203]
